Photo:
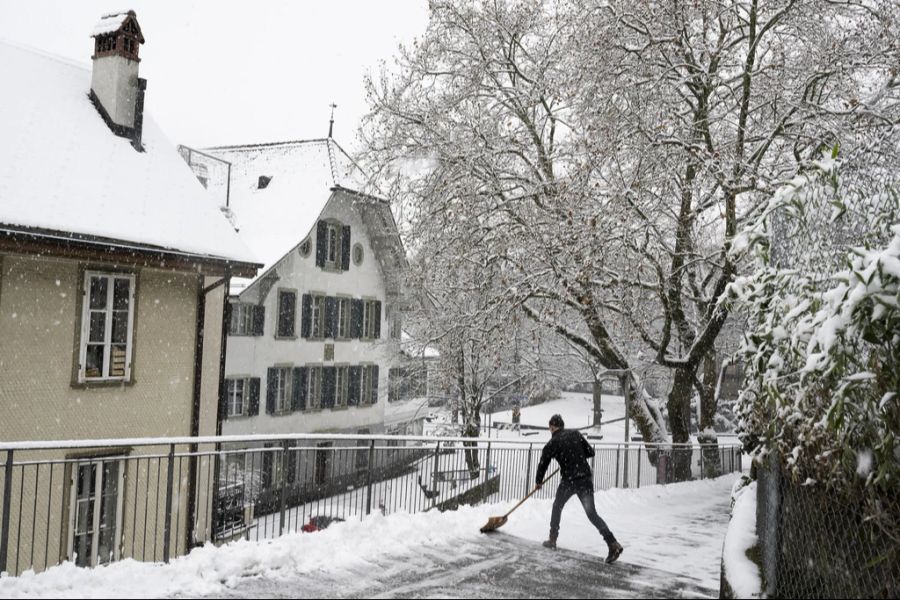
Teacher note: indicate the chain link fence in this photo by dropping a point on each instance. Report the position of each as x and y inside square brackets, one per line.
[819, 543]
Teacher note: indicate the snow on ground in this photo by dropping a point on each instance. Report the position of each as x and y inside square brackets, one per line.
[742, 573]
[678, 528]
[577, 410]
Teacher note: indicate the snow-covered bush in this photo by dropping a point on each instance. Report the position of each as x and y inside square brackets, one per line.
[822, 355]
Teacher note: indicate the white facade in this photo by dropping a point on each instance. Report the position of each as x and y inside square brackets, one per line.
[280, 196]
[251, 356]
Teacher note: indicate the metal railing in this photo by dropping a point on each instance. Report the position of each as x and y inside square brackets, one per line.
[96, 501]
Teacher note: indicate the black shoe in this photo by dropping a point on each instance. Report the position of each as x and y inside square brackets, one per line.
[615, 551]
[551, 543]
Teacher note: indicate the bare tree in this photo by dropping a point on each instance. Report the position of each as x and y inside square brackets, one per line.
[601, 156]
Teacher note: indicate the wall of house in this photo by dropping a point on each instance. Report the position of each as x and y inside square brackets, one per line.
[39, 330]
[252, 356]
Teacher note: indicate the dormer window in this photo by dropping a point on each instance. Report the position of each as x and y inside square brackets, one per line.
[263, 182]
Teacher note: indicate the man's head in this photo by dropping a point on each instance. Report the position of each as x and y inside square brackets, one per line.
[556, 423]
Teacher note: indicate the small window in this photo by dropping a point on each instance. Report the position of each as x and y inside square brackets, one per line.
[343, 318]
[370, 308]
[237, 392]
[357, 254]
[263, 182]
[282, 390]
[106, 327]
[367, 386]
[332, 245]
[314, 387]
[341, 386]
[241, 318]
[306, 248]
[318, 317]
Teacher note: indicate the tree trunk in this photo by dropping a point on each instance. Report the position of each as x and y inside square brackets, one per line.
[679, 407]
[598, 411]
[709, 403]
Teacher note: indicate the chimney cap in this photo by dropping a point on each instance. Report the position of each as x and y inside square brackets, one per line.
[114, 22]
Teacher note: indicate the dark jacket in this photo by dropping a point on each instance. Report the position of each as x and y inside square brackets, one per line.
[571, 451]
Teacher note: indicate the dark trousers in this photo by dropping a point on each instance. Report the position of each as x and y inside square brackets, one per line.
[583, 487]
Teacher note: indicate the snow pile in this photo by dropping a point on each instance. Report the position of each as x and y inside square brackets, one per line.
[683, 537]
[741, 572]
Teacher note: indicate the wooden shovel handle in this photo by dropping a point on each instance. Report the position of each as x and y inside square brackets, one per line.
[536, 488]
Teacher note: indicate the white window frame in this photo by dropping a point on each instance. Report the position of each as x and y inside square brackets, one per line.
[317, 316]
[314, 387]
[343, 317]
[332, 235]
[109, 310]
[341, 385]
[95, 517]
[230, 388]
[369, 308]
[283, 389]
[242, 318]
[367, 374]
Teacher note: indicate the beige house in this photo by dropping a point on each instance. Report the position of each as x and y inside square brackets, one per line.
[113, 273]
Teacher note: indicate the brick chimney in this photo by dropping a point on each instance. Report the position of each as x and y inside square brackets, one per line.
[116, 89]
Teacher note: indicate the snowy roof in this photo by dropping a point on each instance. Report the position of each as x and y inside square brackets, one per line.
[111, 23]
[63, 170]
[275, 219]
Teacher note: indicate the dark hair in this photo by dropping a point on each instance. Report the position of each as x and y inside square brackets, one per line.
[557, 421]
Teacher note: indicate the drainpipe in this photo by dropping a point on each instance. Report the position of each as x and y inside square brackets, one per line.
[191, 538]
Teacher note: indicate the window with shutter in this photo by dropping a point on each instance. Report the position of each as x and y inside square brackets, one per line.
[238, 396]
[341, 386]
[314, 387]
[317, 318]
[342, 318]
[278, 393]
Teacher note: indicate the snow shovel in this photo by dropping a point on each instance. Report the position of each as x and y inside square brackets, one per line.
[495, 523]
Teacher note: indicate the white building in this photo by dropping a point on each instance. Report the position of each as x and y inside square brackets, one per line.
[314, 335]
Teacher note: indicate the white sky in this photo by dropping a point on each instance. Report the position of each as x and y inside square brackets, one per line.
[230, 72]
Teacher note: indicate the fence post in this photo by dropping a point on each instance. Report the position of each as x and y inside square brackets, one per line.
[282, 500]
[167, 534]
[625, 472]
[7, 499]
[487, 474]
[369, 477]
[616, 482]
[528, 471]
[639, 466]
